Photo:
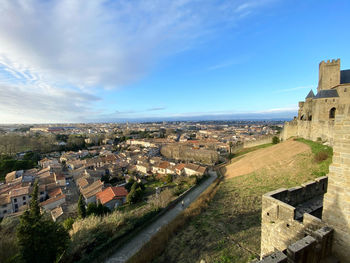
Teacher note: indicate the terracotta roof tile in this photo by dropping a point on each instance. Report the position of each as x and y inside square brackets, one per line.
[111, 193]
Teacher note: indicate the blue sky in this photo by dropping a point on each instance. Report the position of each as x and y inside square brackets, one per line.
[77, 61]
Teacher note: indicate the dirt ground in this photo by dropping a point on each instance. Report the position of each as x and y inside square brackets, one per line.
[266, 158]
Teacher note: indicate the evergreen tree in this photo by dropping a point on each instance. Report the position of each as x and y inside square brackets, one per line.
[136, 193]
[34, 204]
[81, 207]
[39, 238]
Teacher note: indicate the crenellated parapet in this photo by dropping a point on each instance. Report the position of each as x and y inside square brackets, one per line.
[290, 214]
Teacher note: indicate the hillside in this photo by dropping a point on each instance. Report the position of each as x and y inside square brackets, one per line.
[229, 229]
[267, 158]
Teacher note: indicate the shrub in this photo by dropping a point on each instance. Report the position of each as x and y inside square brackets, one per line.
[321, 156]
[169, 178]
[136, 193]
[98, 210]
[275, 140]
[68, 223]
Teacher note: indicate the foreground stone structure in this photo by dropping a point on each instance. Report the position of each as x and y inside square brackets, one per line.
[312, 222]
[289, 215]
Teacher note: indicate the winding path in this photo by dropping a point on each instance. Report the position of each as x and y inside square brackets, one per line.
[126, 251]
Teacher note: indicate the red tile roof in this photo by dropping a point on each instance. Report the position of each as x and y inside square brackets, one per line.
[180, 166]
[111, 193]
[55, 192]
[164, 165]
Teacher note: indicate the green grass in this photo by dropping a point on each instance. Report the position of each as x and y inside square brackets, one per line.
[229, 229]
[316, 148]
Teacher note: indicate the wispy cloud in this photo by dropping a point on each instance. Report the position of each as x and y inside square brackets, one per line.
[92, 45]
[156, 109]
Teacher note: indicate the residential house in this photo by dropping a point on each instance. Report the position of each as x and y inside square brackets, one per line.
[44, 163]
[180, 169]
[194, 169]
[112, 196]
[19, 197]
[161, 168]
[13, 175]
[56, 213]
[5, 205]
[143, 168]
[53, 202]
[59, 179]
[89, 192]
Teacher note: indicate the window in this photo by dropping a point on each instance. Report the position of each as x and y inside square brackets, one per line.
[24, 203]
[24, 198]
[4, 212]
[310, 118]
[15, 200]
[302, 117]
[332, 113]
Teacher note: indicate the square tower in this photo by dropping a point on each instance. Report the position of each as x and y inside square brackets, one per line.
[329, 74]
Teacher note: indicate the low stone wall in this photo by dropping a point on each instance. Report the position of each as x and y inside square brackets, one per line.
[282, 223]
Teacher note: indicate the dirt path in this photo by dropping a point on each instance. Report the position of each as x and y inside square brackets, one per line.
[281, 154]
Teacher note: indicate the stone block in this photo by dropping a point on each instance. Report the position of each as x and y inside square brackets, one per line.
[302, 250]
[276, 257]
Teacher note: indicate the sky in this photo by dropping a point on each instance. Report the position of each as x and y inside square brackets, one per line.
[101, 61]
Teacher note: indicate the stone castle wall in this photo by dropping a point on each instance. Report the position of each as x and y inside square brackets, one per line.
[311, 130]
[288, 215]
[257, 142]
[187, 153]
[260, 141]
[337, 200]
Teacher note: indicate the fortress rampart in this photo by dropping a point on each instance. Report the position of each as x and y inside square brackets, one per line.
[291, 214]
[187, 153]
[246, 144]
[297, 224]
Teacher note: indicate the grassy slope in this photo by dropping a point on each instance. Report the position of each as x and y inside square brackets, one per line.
[229, 229]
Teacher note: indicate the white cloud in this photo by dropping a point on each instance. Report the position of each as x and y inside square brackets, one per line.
[45, 104]
[89, 45]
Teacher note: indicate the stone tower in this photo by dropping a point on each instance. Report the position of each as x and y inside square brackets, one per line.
[329, 74]
[336, 207]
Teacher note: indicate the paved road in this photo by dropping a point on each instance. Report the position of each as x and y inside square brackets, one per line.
[135, 244]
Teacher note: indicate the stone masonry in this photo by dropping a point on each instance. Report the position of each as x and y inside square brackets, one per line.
[290, 214]
[337, 200]
[291, 229]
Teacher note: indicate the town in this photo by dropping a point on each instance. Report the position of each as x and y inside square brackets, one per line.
[109, 158]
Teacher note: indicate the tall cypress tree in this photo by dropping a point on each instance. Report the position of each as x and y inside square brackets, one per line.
[81, 207]
[39, 238]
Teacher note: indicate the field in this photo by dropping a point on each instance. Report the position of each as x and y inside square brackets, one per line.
[229, 229]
